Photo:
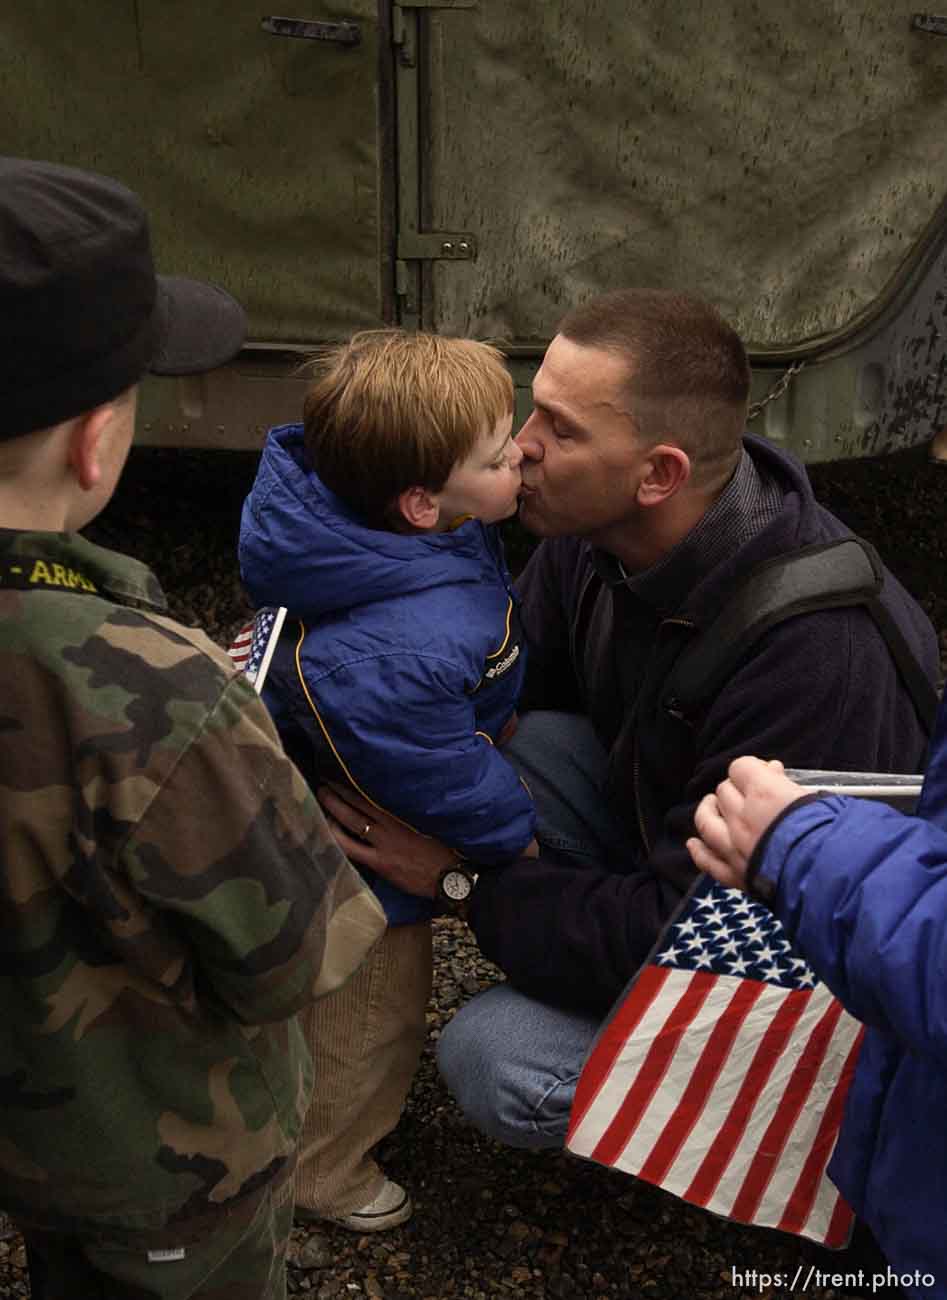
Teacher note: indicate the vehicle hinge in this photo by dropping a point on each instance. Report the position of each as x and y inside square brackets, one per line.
[403, 279]
[435, 246]
[407, 286]
[933, 24]
[403, 34]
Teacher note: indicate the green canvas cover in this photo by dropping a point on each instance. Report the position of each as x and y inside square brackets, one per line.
[786, 161]
[257, 155]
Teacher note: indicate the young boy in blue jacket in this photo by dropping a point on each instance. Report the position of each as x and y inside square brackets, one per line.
[862, 891]
[373, 523]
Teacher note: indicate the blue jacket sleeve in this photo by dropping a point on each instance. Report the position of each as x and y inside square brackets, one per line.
[862, 890]
[406, 734]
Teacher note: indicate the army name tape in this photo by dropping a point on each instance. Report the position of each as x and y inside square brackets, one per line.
[29, 573]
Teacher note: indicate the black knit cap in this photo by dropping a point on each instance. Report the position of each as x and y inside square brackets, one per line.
[82, 313]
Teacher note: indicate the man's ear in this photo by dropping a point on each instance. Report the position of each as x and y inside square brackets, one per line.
[419, 508]
[85, 445]
[664, 472]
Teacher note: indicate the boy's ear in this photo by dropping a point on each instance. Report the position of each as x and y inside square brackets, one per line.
[85, 438]
[419, 508]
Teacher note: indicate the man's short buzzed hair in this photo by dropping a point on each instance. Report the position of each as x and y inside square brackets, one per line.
[688, 373]
[391, 409]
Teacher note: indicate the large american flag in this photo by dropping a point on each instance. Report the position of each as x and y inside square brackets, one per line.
[252, 648]
[721, 1074]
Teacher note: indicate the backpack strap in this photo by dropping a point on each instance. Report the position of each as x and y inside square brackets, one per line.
[925, 697]
[823, 576]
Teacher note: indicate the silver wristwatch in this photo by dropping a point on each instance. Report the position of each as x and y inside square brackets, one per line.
[455, 884]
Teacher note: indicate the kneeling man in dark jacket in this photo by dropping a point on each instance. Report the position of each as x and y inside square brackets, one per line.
[653, 506]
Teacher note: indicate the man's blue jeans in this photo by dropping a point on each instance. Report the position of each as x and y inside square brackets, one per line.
[510, 1061]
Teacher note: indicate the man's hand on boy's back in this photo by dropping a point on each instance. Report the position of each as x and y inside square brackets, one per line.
[373, 838]
[731, 821]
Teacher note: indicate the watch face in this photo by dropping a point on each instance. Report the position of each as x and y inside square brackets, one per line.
[456, 885]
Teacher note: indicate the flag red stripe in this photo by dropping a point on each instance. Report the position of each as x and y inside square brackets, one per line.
[704, 1075]
[770, 1048]
[616, 1033]
[239, 648]
[840, 1225]
[653, 1069]
[803, 1195]
[794, 1097]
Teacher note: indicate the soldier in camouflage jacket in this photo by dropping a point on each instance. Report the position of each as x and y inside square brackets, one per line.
[169, 893]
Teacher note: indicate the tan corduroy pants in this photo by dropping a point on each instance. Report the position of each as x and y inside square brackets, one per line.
[366, 1041]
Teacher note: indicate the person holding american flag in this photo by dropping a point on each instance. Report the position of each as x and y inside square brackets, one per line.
[861, 891]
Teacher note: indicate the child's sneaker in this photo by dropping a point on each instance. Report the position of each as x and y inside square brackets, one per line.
[390, 1207]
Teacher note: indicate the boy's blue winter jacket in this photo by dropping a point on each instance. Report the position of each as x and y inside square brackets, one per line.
[405, 665]
[863, 891]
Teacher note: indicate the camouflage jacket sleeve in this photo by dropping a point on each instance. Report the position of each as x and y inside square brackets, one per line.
[236, 847]
[184, 843]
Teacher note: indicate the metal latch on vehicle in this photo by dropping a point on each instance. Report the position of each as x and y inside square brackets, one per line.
[416, 245]
[933, 24]
[434, 246]
[305, 29]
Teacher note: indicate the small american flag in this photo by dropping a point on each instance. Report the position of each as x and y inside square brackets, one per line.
[721, 1074]
[252, 648]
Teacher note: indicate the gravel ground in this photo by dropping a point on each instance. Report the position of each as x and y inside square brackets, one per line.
[490, 1221]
